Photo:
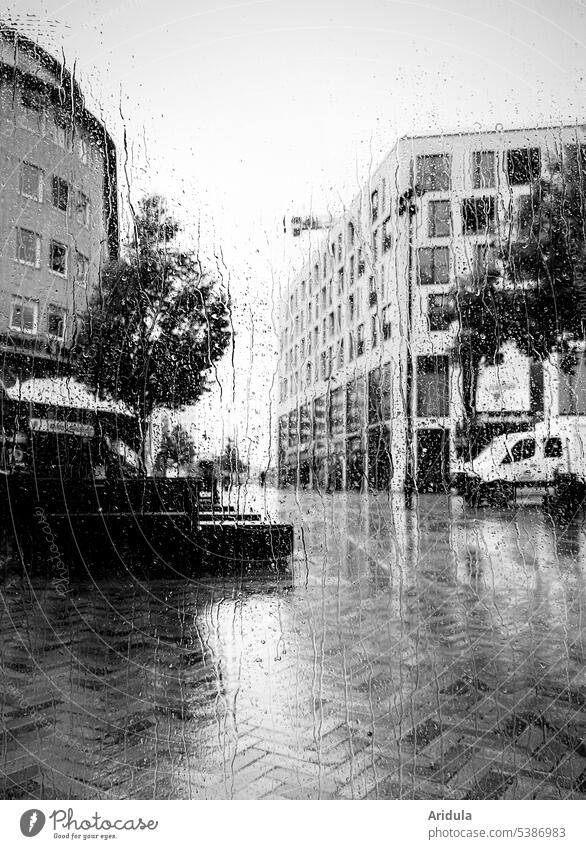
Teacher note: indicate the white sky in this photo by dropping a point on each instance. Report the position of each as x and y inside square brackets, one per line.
[243, 112]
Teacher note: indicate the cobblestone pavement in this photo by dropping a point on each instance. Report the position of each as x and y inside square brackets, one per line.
[423, 653]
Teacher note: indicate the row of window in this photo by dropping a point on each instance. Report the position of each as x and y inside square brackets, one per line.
[348, 408]
[434, 269]
[439, 315]
[521, 165]
[24, 318]
[32, 181]
[29, 250]
[433, 173]
[34, 114]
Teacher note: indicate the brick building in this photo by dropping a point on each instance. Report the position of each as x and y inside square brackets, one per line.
[369, 389]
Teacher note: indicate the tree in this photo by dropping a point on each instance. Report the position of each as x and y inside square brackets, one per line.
[176, 447]
[158, 324]
[539, 299]
[230, 461]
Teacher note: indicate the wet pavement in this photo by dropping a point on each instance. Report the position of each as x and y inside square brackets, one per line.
[435, 652]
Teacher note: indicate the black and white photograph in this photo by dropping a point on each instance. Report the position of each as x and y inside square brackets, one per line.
[293, 418]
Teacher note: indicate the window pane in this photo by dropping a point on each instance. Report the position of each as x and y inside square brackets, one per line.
[478, 214]
[58, 258]
[434, 172]
[439, 218]
[432, 386]
[441, 261]
[523, 165]
[30, 181]
[60, 194]
[483, 169]
[26, 246]
[426, 265]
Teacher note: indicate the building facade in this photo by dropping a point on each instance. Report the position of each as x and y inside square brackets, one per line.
[58, 207]
[370, 392]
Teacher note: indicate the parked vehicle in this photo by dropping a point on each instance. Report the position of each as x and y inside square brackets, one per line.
[531, 458]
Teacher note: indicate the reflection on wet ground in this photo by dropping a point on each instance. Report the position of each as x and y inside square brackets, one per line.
[422, 653]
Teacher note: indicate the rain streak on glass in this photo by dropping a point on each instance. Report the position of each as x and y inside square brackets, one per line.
[293, 409]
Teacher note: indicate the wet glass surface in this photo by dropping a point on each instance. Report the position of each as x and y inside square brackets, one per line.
[430, 652]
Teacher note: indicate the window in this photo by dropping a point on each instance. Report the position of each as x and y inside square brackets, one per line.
[374, 205]
[432, 386]
[31, 181]
[324, 265]
[372, 295]
[439, 218]
[351, 233]
[553, 447]
[360, 340]
[317, 306]
[24, 315]
[478, 215]
[351, 307]
[523, 450]
[82, 209]
[83, 149]
[485, 262]
[360, 262]
[526, 216]
[56, 323]
[332, 324]
[351, 270]
[483, 171]
[339, 247]
[60, 194]
[434, 265]
[341, 354]
[324, 300]
[523, 165]
[58, 258]
[323, 332]
[82, 267]
[375, 246]
[308, 372]
[374, 330]
[350, 347]
[324, 365]
[30, 113]
[329, 291]
[340, 281]
[386, 323]
[387, 240]
[379, 394]
[28, 247]
[434, 172]
[339, 317]
[572, 376]
[439, 311]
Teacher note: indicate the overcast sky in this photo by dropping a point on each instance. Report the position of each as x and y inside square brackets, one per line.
[243, 112]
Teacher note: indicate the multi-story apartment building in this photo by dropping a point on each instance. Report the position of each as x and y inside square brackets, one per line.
[369, 387]
[58, 207]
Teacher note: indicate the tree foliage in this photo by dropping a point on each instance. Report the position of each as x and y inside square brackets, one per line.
[159, 322]
[177, 448]
[539, 299]
[230, 460]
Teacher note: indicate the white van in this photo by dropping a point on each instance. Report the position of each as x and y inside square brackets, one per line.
[532, 458]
